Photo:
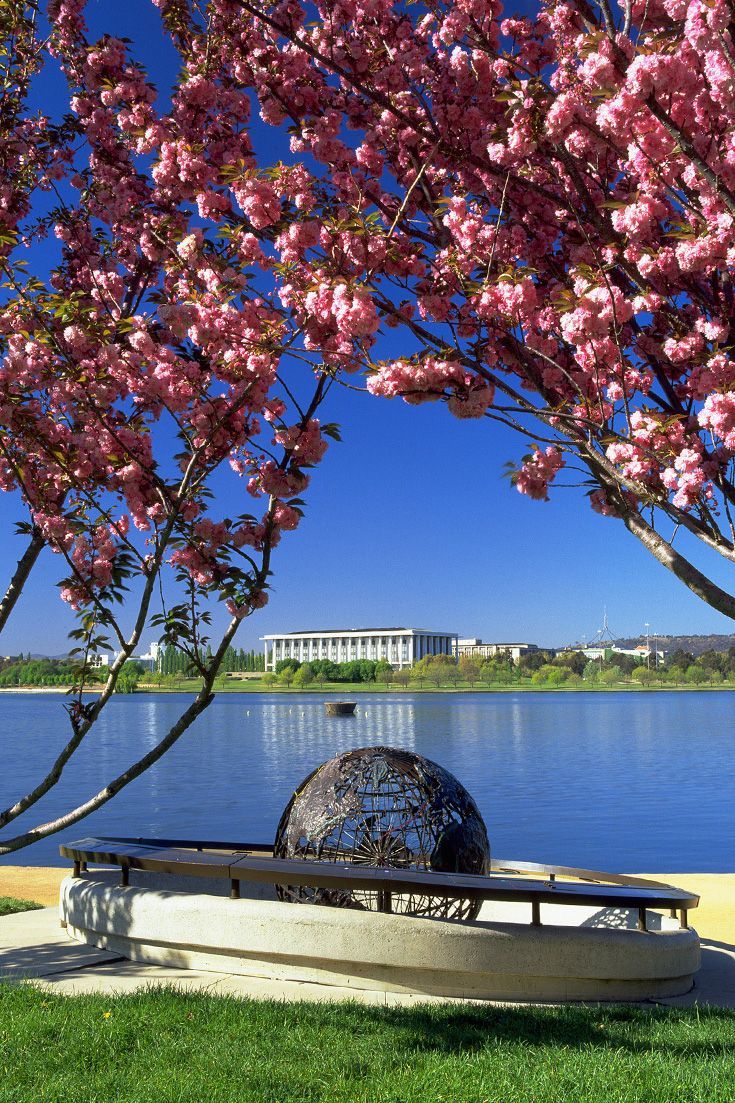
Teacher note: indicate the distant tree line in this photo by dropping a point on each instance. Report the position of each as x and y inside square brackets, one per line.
[570, 668]
[541, 668]
[291, 671]
[173, 661]
[20, 671]
[535, 668]
[24, 672]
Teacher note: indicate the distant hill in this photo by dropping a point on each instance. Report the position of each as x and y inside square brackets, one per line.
[696, 645]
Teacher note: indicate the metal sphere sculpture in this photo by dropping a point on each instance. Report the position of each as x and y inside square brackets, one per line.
[388, 808]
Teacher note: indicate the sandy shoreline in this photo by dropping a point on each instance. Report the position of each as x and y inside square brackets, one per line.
[45, 689]
[714, 919]
[39, 883]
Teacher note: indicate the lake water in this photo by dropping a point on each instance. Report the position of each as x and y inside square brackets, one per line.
[616, 781]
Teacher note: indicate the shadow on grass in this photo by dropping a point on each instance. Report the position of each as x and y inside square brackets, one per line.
[673, 1031]
[400, 1034]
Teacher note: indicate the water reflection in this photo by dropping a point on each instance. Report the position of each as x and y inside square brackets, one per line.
[582, 779]
[305, 728]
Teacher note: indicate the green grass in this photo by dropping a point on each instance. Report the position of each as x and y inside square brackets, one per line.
[11, 904]
[161, 1046]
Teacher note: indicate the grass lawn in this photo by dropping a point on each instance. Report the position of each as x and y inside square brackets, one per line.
[162, 1046]
[10, 904]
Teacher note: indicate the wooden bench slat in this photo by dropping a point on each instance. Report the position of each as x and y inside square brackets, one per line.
[256, 863]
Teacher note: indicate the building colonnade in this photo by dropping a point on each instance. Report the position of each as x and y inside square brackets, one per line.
[400, 647]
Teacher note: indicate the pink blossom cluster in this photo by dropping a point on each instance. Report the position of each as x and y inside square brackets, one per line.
[304, 442]
[93, 556]
[538, 471]
[428, 379]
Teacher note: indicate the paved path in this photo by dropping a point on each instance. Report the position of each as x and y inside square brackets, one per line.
[33, 945]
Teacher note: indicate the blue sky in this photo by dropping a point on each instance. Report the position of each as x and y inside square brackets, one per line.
[410, 521]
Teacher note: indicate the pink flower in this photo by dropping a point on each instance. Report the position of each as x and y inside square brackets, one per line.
[538, 471]
[259, 201]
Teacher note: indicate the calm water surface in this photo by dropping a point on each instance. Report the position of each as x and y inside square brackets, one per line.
[616, 781]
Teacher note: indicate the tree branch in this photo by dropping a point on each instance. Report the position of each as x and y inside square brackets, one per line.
[26, 563]
[685, 571]
[85, 721]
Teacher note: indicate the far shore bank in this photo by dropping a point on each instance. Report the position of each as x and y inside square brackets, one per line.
[45, 689]
[351, 689]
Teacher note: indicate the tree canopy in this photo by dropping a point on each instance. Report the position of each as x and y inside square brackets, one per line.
[545, 206]
[542, 208]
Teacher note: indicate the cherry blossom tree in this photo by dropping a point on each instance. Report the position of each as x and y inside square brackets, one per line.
[144, 355]
[540, 209]
[544, 207]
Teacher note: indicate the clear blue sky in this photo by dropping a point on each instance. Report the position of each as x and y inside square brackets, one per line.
[410, 522]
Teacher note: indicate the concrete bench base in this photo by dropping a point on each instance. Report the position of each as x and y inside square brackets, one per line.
[581, 954]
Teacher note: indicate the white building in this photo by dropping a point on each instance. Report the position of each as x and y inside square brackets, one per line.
[642, 653]
[149, 660]
[398, 646]
[476, 649]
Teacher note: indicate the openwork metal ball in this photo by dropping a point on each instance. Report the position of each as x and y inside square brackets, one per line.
[388, 808]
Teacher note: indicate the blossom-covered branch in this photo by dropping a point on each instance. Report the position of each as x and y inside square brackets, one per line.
[547, 206]
[148, 359]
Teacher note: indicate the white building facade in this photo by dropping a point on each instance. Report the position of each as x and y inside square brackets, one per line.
[477, 649]
[400, 647]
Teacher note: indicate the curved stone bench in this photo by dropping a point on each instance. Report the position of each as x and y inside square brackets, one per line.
[583, 954]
